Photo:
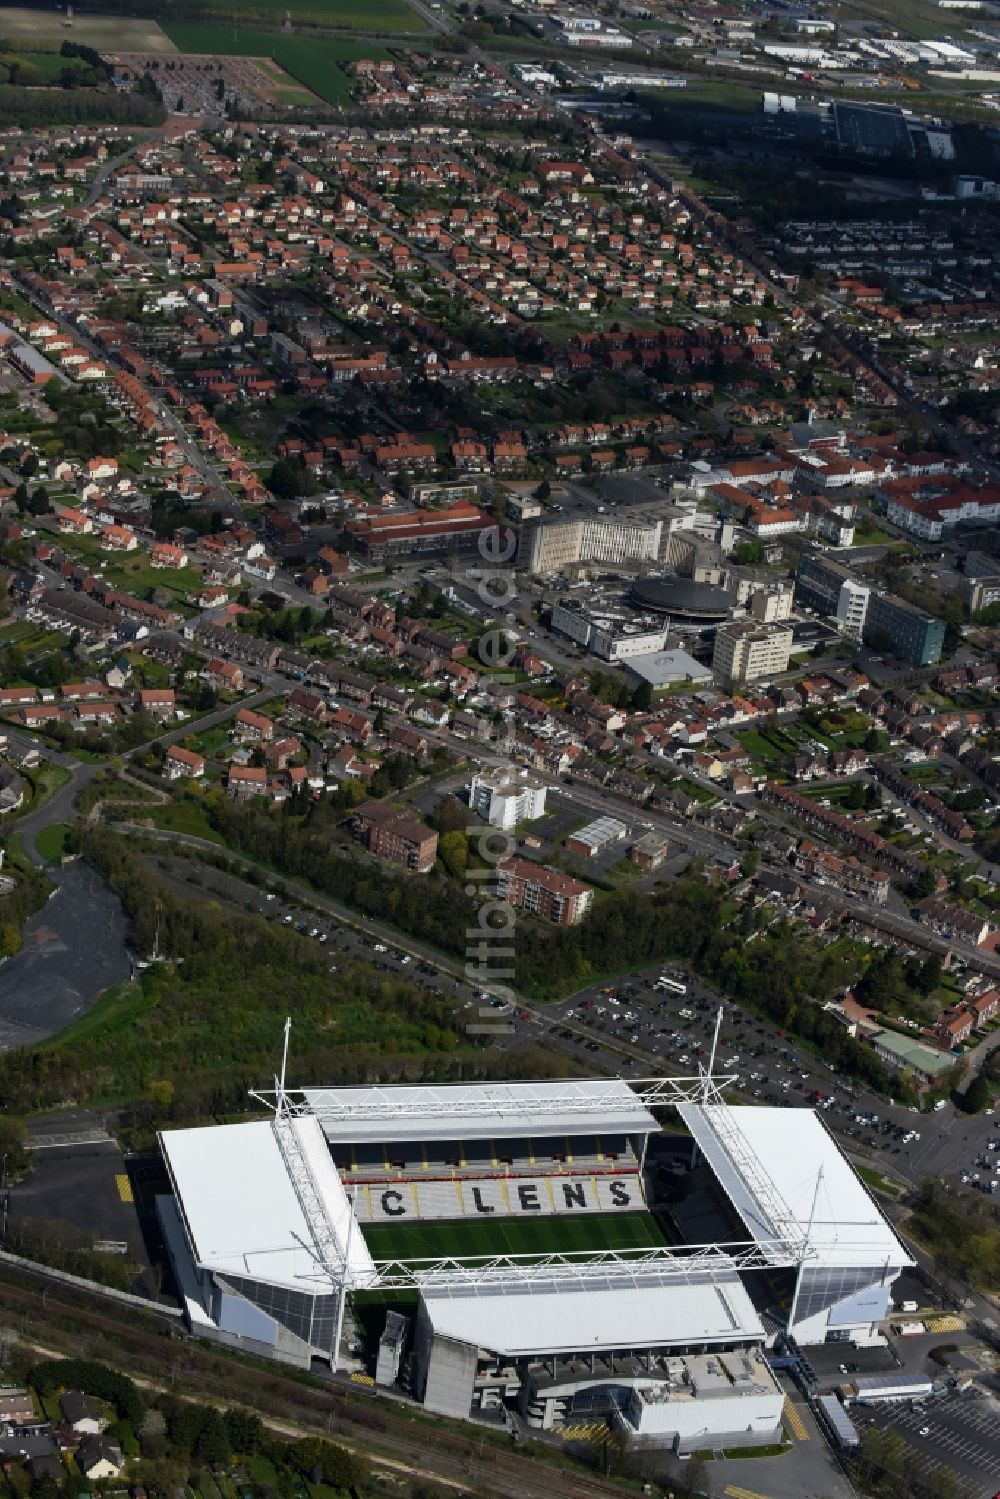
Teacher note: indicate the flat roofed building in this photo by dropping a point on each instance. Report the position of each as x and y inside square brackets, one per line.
[660, 668]
[595, 837]
[747, 652]
[546, 546]
[810, 1196]
[480, 1111]
[571, 1353]
[913, 635]
[504, 800]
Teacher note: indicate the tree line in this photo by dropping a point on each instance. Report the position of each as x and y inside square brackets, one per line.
[780, 974]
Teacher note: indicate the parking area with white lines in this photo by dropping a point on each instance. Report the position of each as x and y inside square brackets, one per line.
[961, 1432]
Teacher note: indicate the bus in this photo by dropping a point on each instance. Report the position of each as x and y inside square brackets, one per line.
[673, 985]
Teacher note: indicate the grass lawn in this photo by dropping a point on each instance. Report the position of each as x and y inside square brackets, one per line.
[45, 780]
[314, 61]
[30, 638]
[131, 571]
[39, 67]
[51, 842]
[878, 1181]
[183, 817]
[550, 1235]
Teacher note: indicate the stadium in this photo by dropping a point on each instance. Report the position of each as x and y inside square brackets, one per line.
[542, 1253]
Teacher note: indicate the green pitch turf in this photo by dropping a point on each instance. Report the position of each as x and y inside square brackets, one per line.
[463, 1237]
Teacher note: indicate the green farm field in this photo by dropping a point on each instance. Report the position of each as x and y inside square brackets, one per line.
[340, 15]
[313, 61]
[42, 28]
[565, 1234]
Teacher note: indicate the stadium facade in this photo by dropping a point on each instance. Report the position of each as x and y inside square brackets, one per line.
[341, 1229]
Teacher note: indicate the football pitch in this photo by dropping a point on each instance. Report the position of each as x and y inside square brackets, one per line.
[560, 1234]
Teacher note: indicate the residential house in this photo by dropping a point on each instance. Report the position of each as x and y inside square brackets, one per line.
[179, 762]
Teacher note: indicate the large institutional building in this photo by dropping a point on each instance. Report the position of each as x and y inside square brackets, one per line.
[748, 652]
[340, 1229]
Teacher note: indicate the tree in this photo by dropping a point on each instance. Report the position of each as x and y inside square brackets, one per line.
[952, 638]
[453, 851]
[978, 1095]
[642, 697]
[245, 1430]
[12, 1146]
[925, 884]
[212, 1444]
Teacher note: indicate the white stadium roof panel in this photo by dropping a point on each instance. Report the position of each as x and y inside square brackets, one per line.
[241, 1210]
[520, 1321]
[754, 1149]
[475, 1111]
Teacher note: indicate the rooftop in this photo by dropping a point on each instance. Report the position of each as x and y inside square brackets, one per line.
[810, 1190]
[479, 1111]
[240, 1208]
[523, 1320]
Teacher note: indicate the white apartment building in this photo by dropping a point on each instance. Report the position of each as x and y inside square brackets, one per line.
[748, 652]
[770, 602]
[503, 800]
[852, 606]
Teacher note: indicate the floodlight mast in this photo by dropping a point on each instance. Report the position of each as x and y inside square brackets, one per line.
[280, 1097]
[708, 1073]
[805, 1249]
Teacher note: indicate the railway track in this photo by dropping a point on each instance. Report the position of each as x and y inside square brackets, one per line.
[374, 1427]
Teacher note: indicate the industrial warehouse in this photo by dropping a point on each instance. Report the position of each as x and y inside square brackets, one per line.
[540, 1252]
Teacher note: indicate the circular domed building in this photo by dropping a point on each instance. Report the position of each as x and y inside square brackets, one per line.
[683, 600]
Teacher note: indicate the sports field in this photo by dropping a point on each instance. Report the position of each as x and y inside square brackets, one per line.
[105, 33]
[313, 61]
[564, 1234]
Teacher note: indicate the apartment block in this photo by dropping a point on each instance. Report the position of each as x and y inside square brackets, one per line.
[748, 652]
[908, 632]
[544, 892]
[392, 834]
[830, 587]
[503, 800]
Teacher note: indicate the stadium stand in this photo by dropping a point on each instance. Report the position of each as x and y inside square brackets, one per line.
[537, 1156]
[506, 1197]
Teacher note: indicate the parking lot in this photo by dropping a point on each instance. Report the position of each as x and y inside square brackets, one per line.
[630, 1027]
[960, 1432]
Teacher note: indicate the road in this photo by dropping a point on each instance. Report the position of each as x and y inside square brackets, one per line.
[60, 806]
[588, 1028]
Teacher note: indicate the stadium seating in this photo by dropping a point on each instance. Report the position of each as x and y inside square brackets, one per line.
[527, 1195]
[541, 1156]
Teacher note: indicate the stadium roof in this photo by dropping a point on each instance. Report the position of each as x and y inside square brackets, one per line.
[768, 1163]
[521, 1321]
[479, 1111]
[241, 1210]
